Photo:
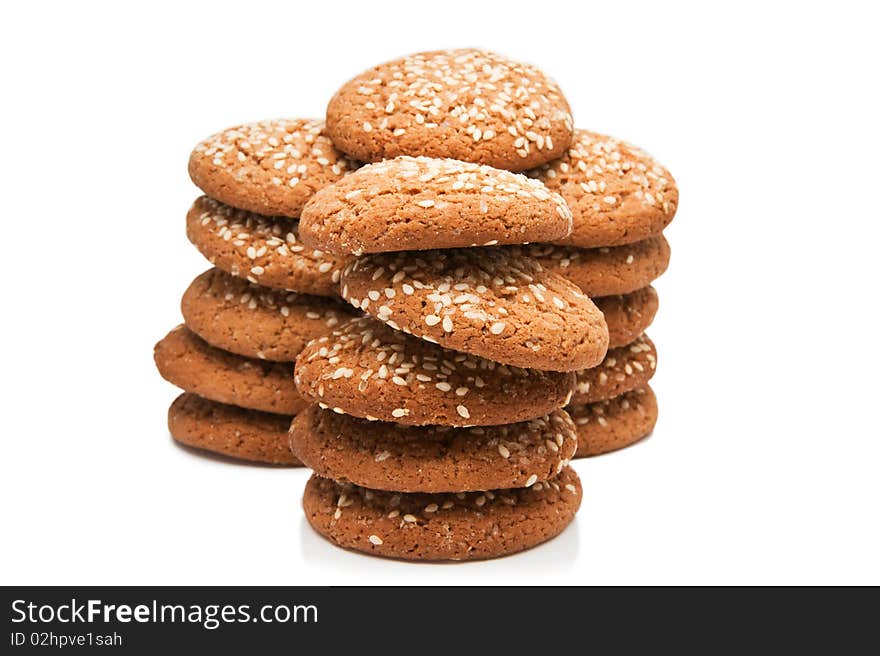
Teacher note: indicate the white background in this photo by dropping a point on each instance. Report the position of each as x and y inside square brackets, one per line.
[764, 464]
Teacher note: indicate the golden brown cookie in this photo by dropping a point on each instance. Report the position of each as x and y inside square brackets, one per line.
[613, 424]
[270, 167]
[365, 369]
[386, 456]
[463, 526]
[264, 250]
[628, 315]
[414, 203]
[467, 104]
[625, 368]
[230, 431]
[254, 321]
[618, 194]
[604, 271]
[489, 302]
[187, 361]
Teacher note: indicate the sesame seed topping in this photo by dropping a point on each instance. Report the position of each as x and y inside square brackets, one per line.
[476, 93]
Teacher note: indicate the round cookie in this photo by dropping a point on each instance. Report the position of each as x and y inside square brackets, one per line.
[489, 302]
[414, 203]
[264, 250]
[613, 424]
[270, 167]
[386, 456]
[254, 321]
[463, 526]
[365, 369]
[230, 431]
[618, 194]
[604, 271]
[624, 369]
[628, 315]
[187, 361]
[467, 104]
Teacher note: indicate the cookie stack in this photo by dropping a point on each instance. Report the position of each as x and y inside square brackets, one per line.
[439, 415]
[621, 201]
[494, 266]
[246, 319]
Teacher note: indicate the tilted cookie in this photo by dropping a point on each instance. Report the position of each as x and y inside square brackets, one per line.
[386, 456]
[628, 315]
[607, 270]
[264, 250]
[230, 431]
[255, 321]
[269, 167]
[467, 104]
[489, 302]
[624, 369]
[184, 359]
[613, 424]
[416, 203]
[365, 369]
[618, 194]
[463, 526]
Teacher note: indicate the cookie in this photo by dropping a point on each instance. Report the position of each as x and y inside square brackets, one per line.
[270, 167]
[264, 250]
[628, 315]
[624, 369]
[604, 271]
[386, 456]
[254, 321]
[187, 361]
[365, 369]
[613, 424]
[463, 526]
[414, 203]
[618, 194]
[466, 104]
[230, 431]
[489, 302]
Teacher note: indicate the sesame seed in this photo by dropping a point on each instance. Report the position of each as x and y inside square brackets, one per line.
[463, 411]
[531, 480]
[375, 539]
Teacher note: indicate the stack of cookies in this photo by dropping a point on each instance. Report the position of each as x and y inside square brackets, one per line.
[495, 265]
[439, 415]
[621, 201]
[246, 319]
